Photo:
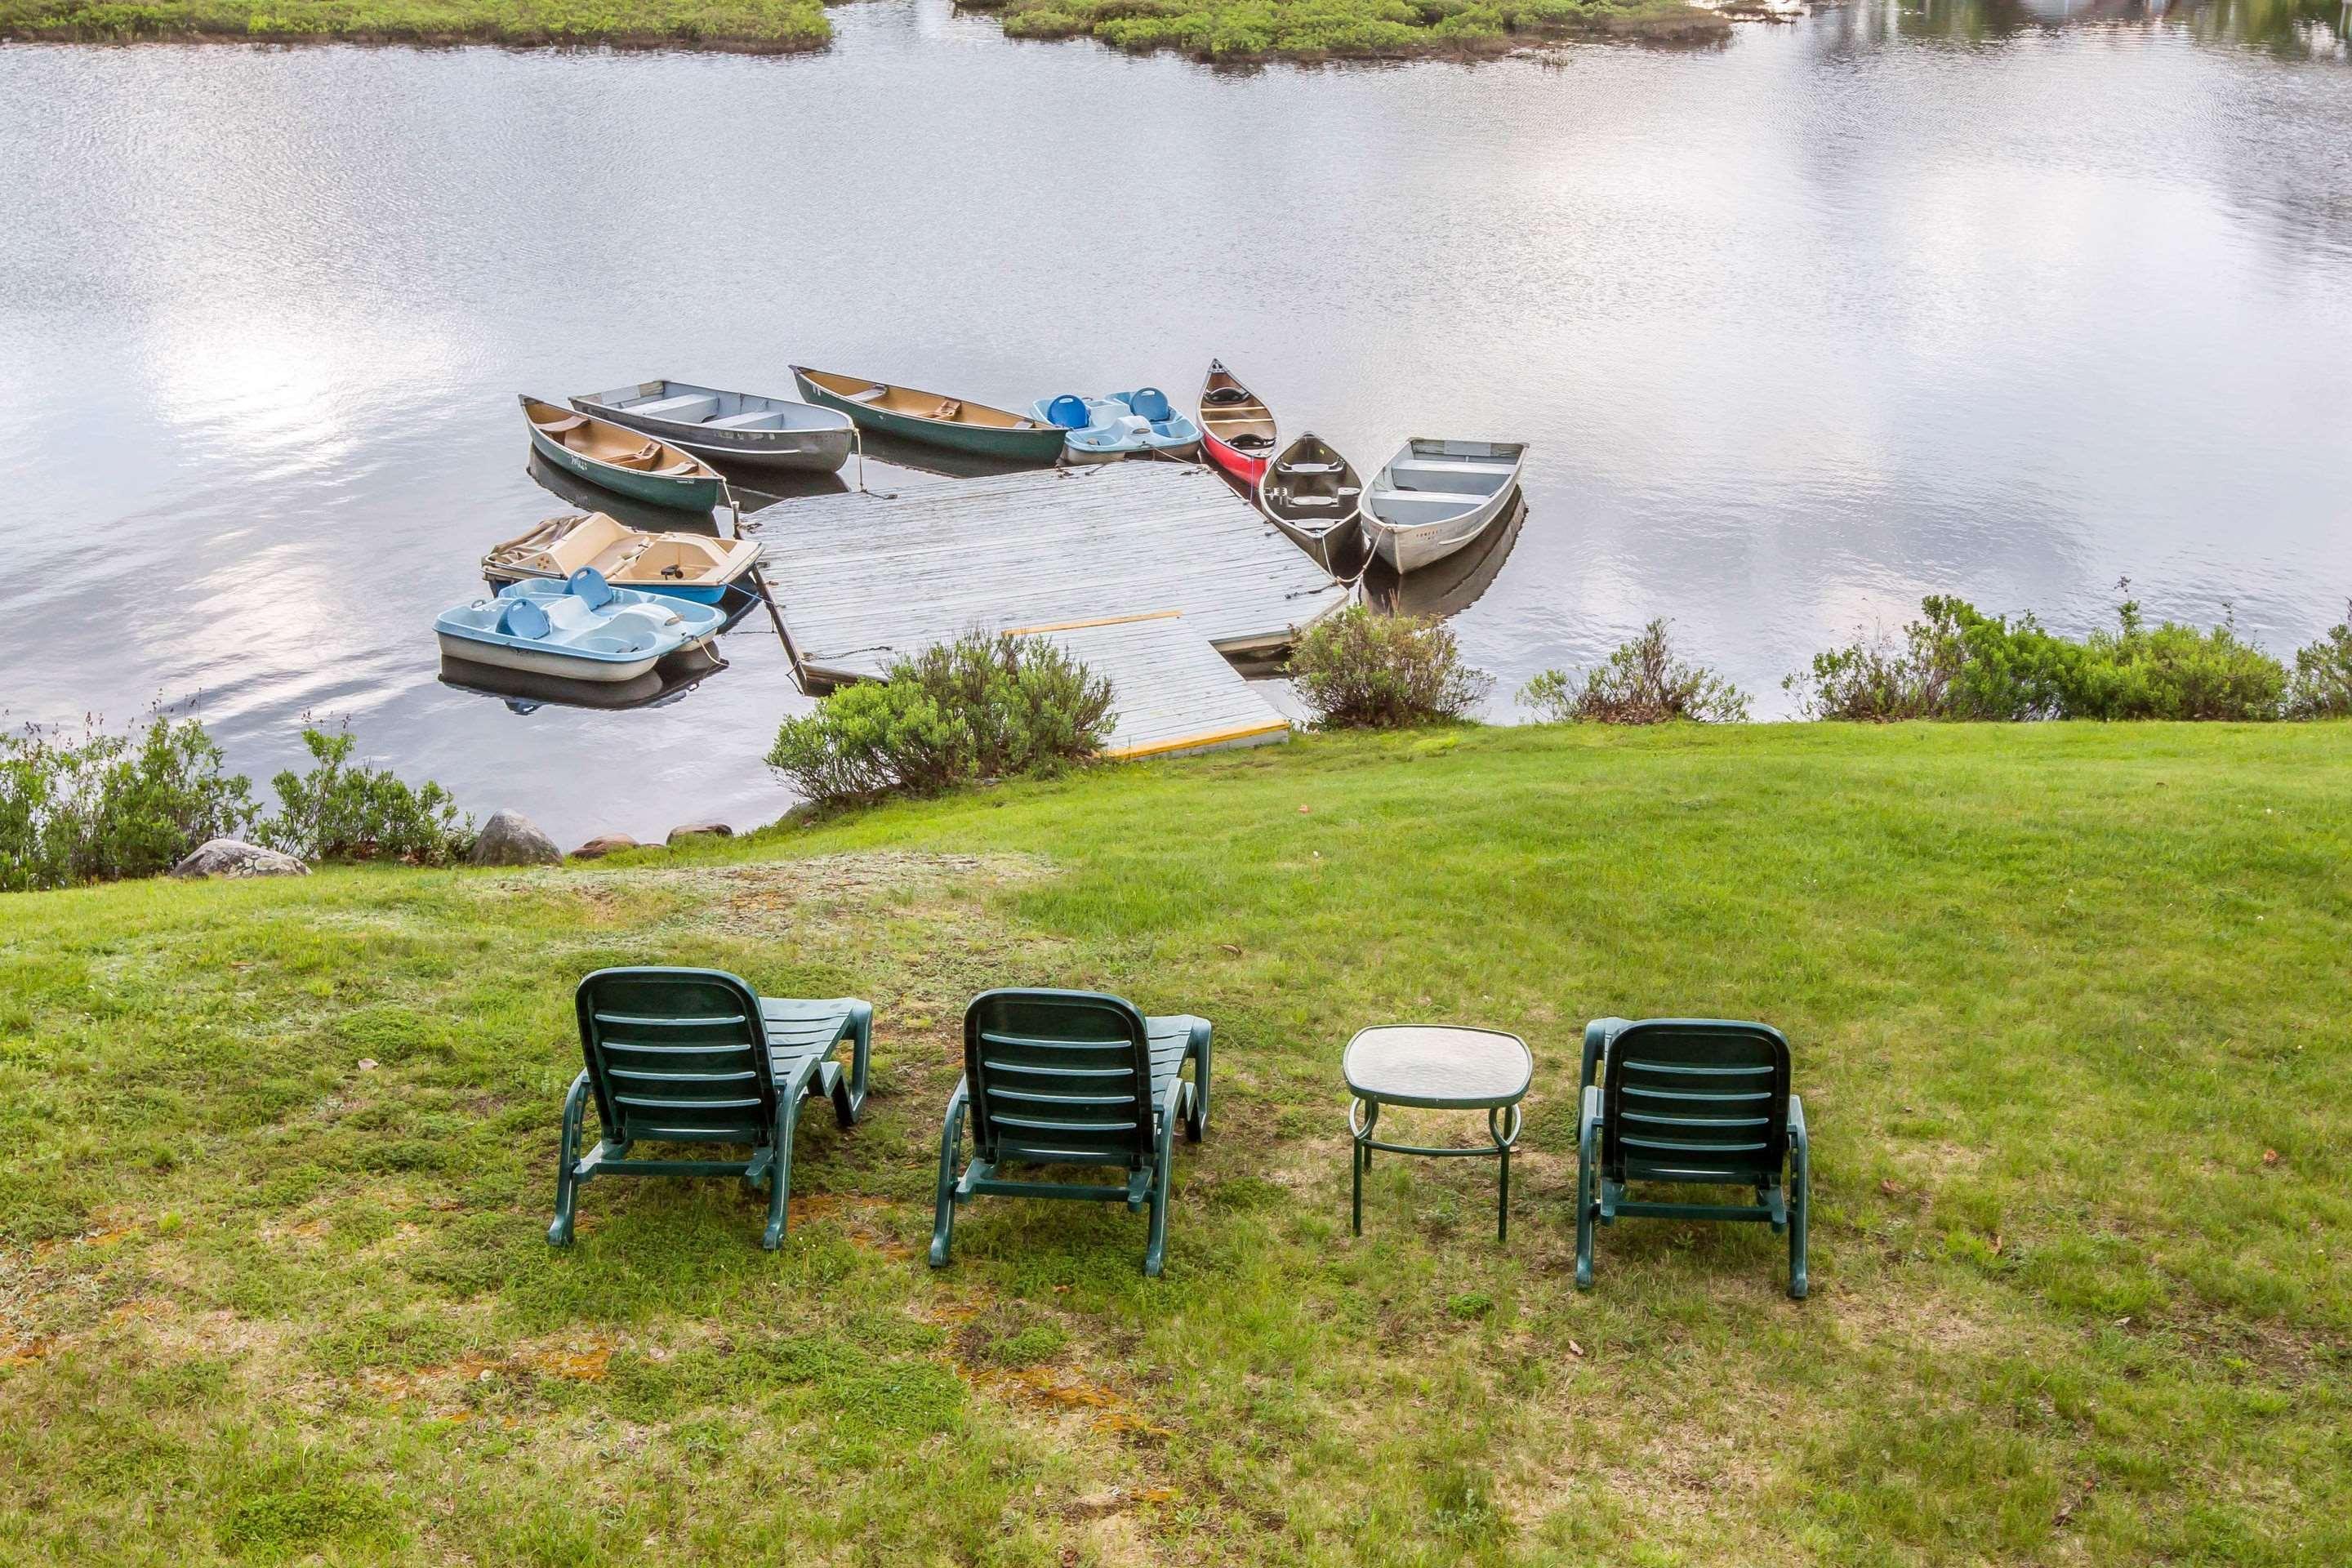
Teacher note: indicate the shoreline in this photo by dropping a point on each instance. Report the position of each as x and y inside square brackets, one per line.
[1661, 23]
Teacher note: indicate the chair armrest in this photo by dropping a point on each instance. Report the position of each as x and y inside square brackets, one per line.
[1797, 1139]
[1588, 1124]
[861, 1051]
[1171, 1099]
[1599, 1036]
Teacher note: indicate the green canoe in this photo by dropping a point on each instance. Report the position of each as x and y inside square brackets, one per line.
[627, 461]
[931, 418]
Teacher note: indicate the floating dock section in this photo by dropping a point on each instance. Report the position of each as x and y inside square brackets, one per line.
[1172, 692]
[1155, 573]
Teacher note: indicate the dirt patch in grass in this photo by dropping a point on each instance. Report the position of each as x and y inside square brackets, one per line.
[782, 896]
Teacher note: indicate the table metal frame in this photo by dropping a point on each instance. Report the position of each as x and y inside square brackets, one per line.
[1364, 1116]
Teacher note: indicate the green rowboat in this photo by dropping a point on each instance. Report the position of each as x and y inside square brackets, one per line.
[627, 461]
[931, 418]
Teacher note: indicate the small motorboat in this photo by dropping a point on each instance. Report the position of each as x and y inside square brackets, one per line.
[1236, 430]
[1310, 492]
[582, 629]
[621, 459]
[730, 426]
[678, 565]
[1436, 496]
[1124, 425]
[928, 417]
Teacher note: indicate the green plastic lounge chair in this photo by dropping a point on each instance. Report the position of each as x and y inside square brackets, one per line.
[1696, 1101]
[691, 1056]
[1071, 1078]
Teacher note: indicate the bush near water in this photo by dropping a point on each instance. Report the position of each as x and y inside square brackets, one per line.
[1641, 683]
[1958, 662]
[984, 706]
[99, 807]
[1361, 669]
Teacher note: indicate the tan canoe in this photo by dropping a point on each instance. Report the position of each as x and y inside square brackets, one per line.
[626, 462]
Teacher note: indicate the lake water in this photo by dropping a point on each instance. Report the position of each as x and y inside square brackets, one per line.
[1885, 302]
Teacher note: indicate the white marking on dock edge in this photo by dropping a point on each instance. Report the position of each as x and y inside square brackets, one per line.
[1172, 692]
[863, 579]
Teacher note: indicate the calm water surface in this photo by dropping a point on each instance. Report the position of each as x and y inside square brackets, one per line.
[1883, 303]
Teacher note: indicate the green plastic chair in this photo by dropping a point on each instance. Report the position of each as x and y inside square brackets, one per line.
[1071, 1078]
[1696, 1101]
[691, 1056]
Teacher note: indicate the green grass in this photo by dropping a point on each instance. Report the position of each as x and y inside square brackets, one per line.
[2069, 1011]
[743, 25]
[1314, 30]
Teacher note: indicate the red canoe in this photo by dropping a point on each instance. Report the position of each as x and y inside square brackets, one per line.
[1236, 430]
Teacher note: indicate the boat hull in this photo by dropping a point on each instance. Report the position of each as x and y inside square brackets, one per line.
[1241, 465]
[1411, 547]
[535, 661]
[685, 492]
[1038, 445]
[807, 451]
[1338, 548]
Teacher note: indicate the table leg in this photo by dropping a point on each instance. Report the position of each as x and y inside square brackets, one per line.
[1359, 1157]
[1503, 1202]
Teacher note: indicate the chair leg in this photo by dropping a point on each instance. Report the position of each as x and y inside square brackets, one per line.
[1587, 1153]
[943, 1198]
[1155, 1251]
[780, 1172]
[1800, 1198]
[567, 1162]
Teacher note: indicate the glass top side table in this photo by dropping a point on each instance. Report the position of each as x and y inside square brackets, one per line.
[1440, 1067]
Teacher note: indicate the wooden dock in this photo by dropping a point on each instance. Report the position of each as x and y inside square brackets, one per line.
[1172, 693]
[864, 578]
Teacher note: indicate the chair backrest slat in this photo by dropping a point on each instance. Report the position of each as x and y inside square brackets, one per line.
[1061, 1077]
[1696, 1100]
[677, 1054]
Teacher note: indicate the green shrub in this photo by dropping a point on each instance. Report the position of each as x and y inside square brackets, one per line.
[1641, 683]
[2322, 684]
[984, 706]
[108, 806]
[1959, 663]
[337, 811]
[1361, 670]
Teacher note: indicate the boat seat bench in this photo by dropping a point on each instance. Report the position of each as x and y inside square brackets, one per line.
[1490, 466]
[1432, 498]
[763, 418]
[688, 409]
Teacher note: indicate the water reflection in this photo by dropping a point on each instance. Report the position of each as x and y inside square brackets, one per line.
[1451, 585]
[525, 692]
[2294, 29]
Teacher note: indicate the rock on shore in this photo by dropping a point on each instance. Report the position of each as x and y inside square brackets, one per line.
[511, 839]
[235, 858]
[603, 844]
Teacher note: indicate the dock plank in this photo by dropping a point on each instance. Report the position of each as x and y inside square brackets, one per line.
[864, 578]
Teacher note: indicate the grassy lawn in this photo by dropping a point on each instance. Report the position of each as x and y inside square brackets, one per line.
[1314, 30]
[2069, 1010]
[763, 25]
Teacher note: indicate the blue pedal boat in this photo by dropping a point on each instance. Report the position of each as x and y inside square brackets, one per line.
[1123, 425]
[580, 629]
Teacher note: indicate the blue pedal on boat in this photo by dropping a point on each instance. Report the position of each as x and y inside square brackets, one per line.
[1124, 425]
[580, 629]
